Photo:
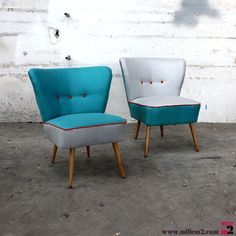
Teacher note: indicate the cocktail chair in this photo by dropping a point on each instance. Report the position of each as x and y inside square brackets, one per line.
[153, 87]
[72, 103]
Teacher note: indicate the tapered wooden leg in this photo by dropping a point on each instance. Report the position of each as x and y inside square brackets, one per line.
[148, 129]
[194, 135]
[162, 130]
[118, 159]
[88, 151]
[137, 129]
[54, 153]
[71, 166]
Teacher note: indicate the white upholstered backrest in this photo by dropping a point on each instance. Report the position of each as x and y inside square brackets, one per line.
[152, 76]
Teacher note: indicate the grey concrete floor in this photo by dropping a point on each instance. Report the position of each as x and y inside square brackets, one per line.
[174, 189]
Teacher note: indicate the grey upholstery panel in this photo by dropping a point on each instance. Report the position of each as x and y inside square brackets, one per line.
[85, 136]
[162, 101]
[152, 76]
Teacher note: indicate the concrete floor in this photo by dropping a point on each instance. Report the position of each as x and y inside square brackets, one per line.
[174, 189]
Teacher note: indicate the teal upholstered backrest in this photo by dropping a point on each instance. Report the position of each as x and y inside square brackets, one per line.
[65, 91]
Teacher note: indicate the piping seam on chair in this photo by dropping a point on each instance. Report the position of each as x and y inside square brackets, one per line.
[164, 105]
[90, 126]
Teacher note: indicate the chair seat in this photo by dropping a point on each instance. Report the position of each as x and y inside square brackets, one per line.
[86, 129]
[164, 110]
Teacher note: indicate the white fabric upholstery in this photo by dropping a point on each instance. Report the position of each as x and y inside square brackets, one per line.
[163, 101]
[152, 76]
[80, 137]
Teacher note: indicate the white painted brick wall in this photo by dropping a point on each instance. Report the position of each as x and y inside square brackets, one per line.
[100, 32]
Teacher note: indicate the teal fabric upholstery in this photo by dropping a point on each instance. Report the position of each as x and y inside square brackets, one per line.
[64, 91]
[72, 102]
[167, 115]
[85, 120]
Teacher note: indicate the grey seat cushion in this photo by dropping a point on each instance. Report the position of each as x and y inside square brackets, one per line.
[77, 130]
[164, 101]
[164, 110]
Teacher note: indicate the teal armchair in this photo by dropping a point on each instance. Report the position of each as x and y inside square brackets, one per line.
[72, 102]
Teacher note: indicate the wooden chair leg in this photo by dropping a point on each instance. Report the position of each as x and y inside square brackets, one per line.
[148, 129]
[137, 129]
[118, 159]
[162, 130]
[194, 135]
[54, 153]
[71, 166]
[88, 151]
